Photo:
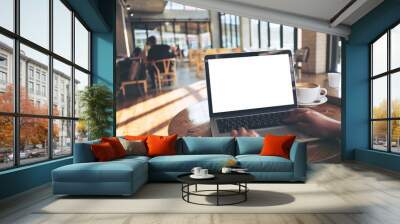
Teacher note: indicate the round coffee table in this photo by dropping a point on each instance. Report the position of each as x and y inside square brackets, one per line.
[238, 179]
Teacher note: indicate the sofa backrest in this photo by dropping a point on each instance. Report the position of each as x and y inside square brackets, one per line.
[83, 152]
[206, 145]
[249, 145]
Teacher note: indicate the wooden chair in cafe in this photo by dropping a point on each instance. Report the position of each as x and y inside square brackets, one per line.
[136, 68]
[165, 71]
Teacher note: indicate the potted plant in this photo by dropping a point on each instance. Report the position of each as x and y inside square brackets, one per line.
[96, 104]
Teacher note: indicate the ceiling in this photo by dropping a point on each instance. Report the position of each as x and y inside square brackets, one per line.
[328, 16]
[320, 9]
[146, 6]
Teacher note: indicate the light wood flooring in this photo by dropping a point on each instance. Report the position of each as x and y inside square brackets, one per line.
[378, 189]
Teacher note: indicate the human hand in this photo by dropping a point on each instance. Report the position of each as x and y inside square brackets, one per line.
[314, 123]
[243, 132]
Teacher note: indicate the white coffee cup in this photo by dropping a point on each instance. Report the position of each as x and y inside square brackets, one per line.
[309, 92]
[226, 170]
[334, 80]
[203, 172]
[197, 171]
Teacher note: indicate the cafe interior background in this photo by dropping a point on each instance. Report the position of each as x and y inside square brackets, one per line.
[175, 102]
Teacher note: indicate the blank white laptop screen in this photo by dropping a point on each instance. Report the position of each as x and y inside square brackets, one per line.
[252, 82]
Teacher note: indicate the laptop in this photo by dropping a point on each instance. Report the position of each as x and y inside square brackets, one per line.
[254, 90]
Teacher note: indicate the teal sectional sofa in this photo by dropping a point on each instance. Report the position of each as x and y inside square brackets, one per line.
[125, 176]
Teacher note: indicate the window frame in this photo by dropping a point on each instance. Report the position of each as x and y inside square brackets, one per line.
[16, 114]
[388, 74]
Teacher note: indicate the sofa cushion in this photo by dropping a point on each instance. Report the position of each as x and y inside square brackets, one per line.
[134, 147]
[116, 145]
[185, 163]
[103, 152]
[257, 163]
[112, 171]
[249, 145]
[208, 145]
[277, 145]
[161, 145]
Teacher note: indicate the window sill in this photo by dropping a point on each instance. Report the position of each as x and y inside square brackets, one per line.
[30, 166]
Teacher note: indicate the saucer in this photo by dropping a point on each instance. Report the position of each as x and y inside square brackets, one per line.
[322, 100]
[208, 176]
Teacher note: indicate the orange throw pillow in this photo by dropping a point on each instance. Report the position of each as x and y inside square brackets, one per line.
[103, 152]
[116, 145]
[275, 145]
[161, 145]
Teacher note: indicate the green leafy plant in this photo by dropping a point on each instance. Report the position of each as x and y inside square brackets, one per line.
[96, 103]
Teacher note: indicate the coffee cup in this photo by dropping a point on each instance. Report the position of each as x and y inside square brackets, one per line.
[226, 170]
[196, 171]
[203, 172]
[334, 80]
[309, 92]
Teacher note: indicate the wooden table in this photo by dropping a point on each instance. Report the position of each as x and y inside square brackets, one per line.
[195, 121]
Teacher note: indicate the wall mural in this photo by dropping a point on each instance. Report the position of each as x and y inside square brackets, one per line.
[161, 86]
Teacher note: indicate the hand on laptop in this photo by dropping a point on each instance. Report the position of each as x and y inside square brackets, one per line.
[305, 119]
[314, 123]
[244, 132]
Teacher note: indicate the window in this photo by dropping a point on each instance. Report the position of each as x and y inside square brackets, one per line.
[153, 29]
[7, 14]
[30, 87]
[62, 30]
[46, 73]
[168, 33]
[81, 45]
[140, 35]
[81, 82]
[6, 71]
[385, 94]
[44, 91]
[34, 21]
[264, 35]
[254, 34]
[30, 72]
[185, 35]
[288, 37]
[176, 6]
[40, 62]
[3, 78]
[3, 72]
[63, 73]
[193, 35]
[37, 89]
[275, 35]
[205, 35]
[230, 30]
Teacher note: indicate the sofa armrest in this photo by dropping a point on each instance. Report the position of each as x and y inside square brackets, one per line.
[83, 152]
[298, 155]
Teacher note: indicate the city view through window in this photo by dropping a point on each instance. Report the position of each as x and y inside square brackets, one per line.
[38, 118]
[385, 94]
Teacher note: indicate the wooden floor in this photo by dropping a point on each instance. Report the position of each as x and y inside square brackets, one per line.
[378, 189]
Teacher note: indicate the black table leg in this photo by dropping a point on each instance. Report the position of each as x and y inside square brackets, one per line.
[196, 187]
[217, 194]
[245, 193]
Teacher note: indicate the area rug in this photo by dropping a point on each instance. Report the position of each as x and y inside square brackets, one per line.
[166, 198]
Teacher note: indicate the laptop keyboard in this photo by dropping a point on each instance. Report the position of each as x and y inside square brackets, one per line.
[251, 122]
